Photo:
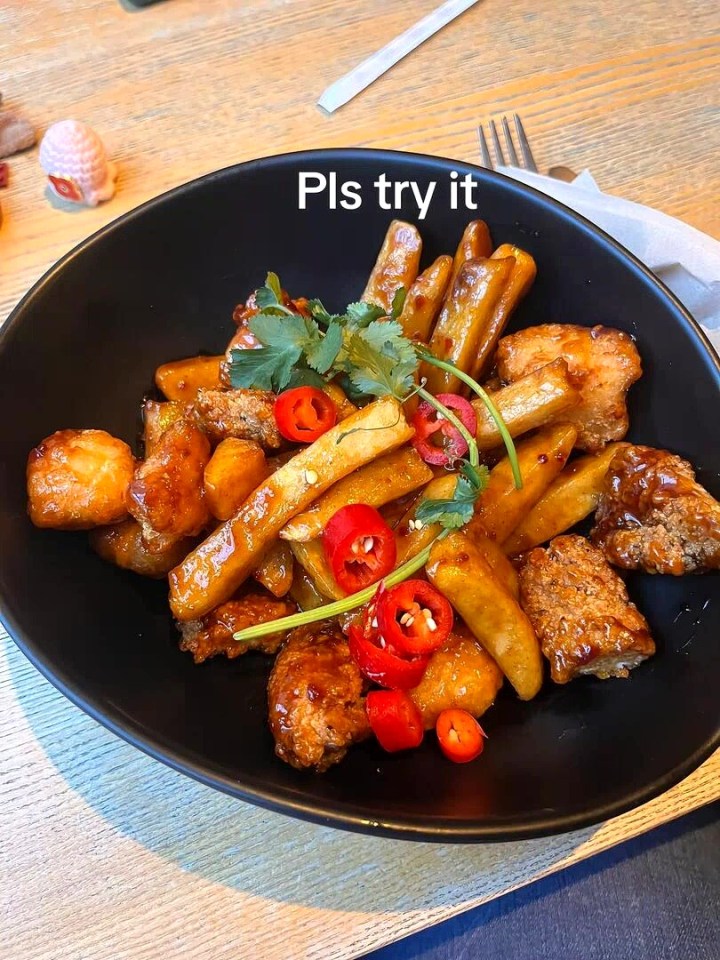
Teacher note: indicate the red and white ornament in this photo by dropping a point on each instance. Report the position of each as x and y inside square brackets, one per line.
[78, 169]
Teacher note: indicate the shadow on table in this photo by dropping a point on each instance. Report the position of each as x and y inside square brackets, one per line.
[264, 853]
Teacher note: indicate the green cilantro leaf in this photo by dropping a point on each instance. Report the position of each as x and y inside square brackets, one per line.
[269, 299]
[477, 477]
[450, 514]
[305, 377]
[387, 336]
[361, 314]
[398, 302]
[272, 282]
[292, 330]
[322, 352]
[454, 512]
[266, 368]
[321, 315]
[378, 360]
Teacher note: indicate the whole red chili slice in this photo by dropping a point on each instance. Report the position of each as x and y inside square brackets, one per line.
[395, 720]
[304, 413]
[382, 665]
[360, 547]
[460, 736]
[414, 617]
[436, 440]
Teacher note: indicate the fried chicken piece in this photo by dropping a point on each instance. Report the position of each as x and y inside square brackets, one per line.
[245, 414]
[123, 545]
[213, 634]
[460, 674]
[604, 362]
[166, 495]
[580, 610]
[78, 479]
[316, 698]
[654, 516]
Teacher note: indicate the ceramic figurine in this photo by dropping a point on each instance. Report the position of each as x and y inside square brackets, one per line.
[74, 158]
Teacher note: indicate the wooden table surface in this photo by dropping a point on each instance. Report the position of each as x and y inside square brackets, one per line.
[177, 90]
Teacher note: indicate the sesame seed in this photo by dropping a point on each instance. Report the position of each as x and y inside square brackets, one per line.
[374, 622]
[368, 544]
[407, 620]
[311, 477]
[419, 524]
[411, 524]
[431, 625]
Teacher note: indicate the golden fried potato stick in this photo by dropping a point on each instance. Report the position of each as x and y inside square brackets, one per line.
[568, 500]
[424, 299]
[500, 507]
[460, 571]
[181, 379]
[311, 557]
[532, 401]
[411, 540]
[275, 570]
[345, 408]
[375, 484]
[304, 592]
[521, 279]
[475, 244]
[396, 266]
[463, 320]
[215, 569]
[498, 563]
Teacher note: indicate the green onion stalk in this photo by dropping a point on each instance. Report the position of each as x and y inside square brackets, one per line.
[338, 607]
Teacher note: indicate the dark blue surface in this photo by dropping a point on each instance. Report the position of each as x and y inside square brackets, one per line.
[654, 898]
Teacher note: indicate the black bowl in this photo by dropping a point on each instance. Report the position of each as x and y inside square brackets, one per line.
[161, 283]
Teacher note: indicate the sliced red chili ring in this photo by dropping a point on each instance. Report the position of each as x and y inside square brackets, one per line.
[431, 427]
[304, 413]
[414, 617]
[395, 720]
[460, 736]
[360, 547]
[382, 665]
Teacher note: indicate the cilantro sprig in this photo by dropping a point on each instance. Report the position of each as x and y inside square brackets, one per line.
[454, 512]
[368, 351]
[363, 347]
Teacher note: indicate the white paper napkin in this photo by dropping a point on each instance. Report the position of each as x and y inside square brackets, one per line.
[685, 259]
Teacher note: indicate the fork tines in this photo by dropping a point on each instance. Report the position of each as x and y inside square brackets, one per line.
[526, 159]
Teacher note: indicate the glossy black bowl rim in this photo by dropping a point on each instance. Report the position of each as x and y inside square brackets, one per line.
[328, 813]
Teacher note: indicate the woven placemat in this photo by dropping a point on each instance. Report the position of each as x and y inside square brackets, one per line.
[109, 855]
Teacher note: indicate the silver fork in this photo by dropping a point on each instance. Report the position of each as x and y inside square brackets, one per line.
[526, 158]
